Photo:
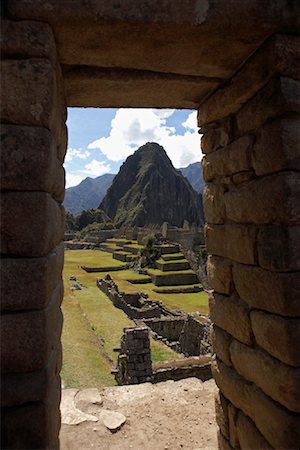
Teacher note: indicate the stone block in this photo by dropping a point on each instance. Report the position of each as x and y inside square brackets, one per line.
[29, 94]
[232, 159]
[232, 418]
[20, 388]
[277, 146]
[248, 435]
[27, 39]
[221, 407]
[232, 315]
[216, 138]
[32, 223]
[278, 336]
[271, 291]
[219, 272]
[278, 248]
[29, 161]
[271, 199]
[28, 283]
[62, 143]
[279, 426]
[276, 379]
[34, 425]
[237, 242]
[279, 96]
[221, 341]
[213, 203]
[223, 443]
[278, 55]
[28, 338]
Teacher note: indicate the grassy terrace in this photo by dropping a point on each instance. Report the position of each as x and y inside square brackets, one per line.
[91, 320]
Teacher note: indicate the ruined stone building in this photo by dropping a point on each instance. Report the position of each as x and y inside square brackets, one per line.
[238, 63]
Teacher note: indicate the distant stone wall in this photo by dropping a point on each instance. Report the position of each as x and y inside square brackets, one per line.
[198, 367]
[135, 306]
[169, 328]
[134, 360]
[185, 333]
[195, 337]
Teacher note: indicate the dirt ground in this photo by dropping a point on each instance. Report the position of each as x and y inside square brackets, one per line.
[164, 416]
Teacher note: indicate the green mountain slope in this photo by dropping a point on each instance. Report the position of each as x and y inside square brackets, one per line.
[149, 190]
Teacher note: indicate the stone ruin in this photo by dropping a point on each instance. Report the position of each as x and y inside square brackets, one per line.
[185, 333]
[134, 360]
[136, 305]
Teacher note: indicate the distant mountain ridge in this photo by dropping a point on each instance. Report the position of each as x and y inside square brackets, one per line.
[149, 190]
[88, 194]
[193, 172]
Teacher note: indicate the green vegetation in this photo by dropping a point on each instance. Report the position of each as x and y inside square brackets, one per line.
[92, 325]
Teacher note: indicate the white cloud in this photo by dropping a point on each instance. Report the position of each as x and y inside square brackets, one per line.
[96, 168]
[132, 128]
[73, 179]
[73, 153]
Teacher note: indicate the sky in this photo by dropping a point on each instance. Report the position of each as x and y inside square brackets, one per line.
[101, 139]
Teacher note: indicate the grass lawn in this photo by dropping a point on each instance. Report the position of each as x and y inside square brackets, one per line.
[88, 313]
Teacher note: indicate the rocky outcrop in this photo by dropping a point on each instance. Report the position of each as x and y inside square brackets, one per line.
[149, 190]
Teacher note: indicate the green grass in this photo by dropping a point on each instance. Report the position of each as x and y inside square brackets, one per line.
[88, 313]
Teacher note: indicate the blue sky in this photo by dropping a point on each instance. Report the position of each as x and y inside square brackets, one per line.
[101, 139]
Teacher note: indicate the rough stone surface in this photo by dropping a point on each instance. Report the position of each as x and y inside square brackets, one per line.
[277, 146]
[280, 95]
[271, 291]
[234, 158]
[271, 199]
[274, 57]
[23, 168]
[280, 381]
[217, 138]
[41, 227]
[30, 39]
[237, 242]
[223, 443]
[213, 203]
[221, 405]
[30, 95]
[278, 336]
[232, 417]
[34, 425]
[221, 343]
[28, 338]
[44, 274]
[70, 415]
[86, 397]
[278, 248]
[219, 272]
[20, 388]
[86, 87]
[232, 315]
[248, 434]
[278, 426]
[113, 420]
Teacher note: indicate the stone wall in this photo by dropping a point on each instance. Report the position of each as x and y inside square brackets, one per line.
[251, 200]
[33, 146]
[195, 337]
[134, 360]
[134, 305]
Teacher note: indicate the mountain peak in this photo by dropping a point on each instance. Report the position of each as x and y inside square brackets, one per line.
[149, 190]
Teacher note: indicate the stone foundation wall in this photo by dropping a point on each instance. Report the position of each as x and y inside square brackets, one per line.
[33, 146]
[134, 360]
[195, 337]
[251, 200]
[135, 306]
